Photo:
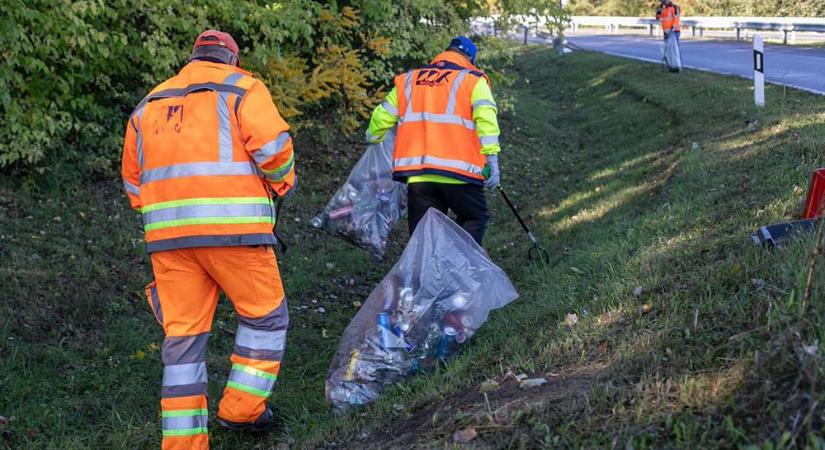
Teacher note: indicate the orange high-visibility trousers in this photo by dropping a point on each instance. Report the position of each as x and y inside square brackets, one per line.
[183, 298]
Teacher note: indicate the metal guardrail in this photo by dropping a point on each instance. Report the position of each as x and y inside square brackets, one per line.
[788, 25]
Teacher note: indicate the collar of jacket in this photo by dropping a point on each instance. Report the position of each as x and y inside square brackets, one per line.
[196, 64]
[461, 60]
[454, 58]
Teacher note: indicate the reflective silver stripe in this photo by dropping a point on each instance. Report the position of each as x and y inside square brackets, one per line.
[281, 174]
[260, 339]
[184, 374]
[277, 319]
[408, 92]
[198, 169]
[139, 143]
[192, 88]
[454, 91]
[262, 355]
[131, 188]
[187, 390]
[233, 79]
[271, 148]
[194, 211]
[390, 108]
[481, 103]
[224, 128]
[488, 140]
[224, 240]
[224, 123]
[185, 422]
[184, 349]
[156, 304]
[248, 379]
[439, 162]
[438, 118]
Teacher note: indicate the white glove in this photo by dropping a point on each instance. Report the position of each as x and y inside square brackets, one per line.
[494, 178]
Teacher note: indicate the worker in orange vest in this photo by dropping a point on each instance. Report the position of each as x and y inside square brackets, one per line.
[447, 142]
[671, 17]
[204, 154]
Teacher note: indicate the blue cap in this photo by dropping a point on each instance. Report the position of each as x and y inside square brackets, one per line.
[464, 44]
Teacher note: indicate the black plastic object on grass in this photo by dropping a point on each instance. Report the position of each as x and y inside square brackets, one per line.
[772, 235]
[434, 299]
[536, 252]
[365, 208]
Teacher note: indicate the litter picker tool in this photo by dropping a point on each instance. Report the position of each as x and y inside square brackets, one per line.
[536, 251]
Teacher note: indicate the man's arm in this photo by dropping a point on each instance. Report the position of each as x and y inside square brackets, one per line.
[485, 117]
[129, 165]
[384, 117]
[267, 140]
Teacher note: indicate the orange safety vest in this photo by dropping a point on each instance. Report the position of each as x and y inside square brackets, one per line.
[671, 18]
[436, 132]
[194, 158]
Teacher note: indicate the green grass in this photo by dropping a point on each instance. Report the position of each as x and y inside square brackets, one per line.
[644, 186]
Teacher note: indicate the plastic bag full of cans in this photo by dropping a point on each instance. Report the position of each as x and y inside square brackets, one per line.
[366, 207]
[434, 299]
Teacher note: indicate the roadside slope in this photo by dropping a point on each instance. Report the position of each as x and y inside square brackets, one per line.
[686, 334]
[645, 187]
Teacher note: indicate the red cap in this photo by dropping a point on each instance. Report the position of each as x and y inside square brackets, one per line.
[214, 37]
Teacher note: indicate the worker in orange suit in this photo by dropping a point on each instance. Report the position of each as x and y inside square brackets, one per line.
[204, 154]
[671, 17]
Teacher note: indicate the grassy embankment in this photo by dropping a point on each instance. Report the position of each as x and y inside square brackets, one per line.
[644, 186]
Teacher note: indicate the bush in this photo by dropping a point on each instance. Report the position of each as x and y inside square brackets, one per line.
[75, 69]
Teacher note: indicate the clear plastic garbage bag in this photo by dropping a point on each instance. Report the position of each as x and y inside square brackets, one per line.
[673, 55]
[365, 208]
[434, 299]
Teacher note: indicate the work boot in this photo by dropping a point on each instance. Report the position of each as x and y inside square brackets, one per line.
[262, 425]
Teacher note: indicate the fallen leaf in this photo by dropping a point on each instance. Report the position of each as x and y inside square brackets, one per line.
[571, 319]
[603, 347]
[532, 383]
[488, 386]
[465, 435]
[140, 354]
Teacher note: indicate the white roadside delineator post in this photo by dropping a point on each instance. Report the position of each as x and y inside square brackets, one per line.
[759, 70]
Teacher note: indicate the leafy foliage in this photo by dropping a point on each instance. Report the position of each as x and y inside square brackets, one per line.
[75, 69]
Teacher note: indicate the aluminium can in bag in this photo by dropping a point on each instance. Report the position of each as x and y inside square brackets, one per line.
[367, 206]
[435, 298]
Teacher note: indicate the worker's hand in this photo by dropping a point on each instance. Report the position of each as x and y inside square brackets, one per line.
[493, 178]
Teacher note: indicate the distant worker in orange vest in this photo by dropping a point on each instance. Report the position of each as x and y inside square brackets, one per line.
[447, 142]
[671, 17]
[203, 156]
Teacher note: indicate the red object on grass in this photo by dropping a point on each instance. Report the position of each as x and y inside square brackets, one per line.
[815, 204]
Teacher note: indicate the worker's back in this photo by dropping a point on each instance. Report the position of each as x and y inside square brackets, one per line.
[198, 184]
[436, 131]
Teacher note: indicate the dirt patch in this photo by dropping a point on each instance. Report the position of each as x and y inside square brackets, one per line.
[565, 393]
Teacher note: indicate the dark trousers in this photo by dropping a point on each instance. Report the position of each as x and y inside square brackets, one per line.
[467, 201]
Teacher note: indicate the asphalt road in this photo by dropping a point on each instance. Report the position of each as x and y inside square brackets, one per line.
[792, 66]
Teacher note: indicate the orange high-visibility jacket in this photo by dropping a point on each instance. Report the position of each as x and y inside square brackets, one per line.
[436, 133]
[203, 153]
[671, 18]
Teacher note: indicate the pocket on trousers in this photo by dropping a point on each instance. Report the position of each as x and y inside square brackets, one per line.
[154, 301]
